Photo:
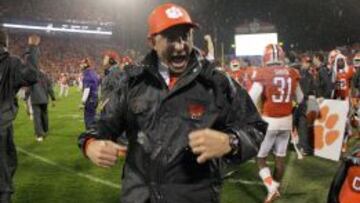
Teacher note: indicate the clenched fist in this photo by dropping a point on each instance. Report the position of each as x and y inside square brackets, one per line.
[104, 153]
[209, 144]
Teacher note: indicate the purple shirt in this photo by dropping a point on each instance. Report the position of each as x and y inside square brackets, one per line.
[91, 80]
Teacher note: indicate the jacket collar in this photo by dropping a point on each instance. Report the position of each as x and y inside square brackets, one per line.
[194, 67]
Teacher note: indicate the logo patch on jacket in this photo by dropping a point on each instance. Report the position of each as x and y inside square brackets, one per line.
[356, 184]
[196, 110]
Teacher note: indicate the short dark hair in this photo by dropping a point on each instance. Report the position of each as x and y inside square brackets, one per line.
[3, 38]
[320, 57]
[293, 57]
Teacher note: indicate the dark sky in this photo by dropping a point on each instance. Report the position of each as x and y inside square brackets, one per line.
[308, 24]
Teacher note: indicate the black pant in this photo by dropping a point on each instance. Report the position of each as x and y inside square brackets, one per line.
[8, 163]
[5, 198]
[41, 121]
[90, 112]
[302, 125]
[304, 136]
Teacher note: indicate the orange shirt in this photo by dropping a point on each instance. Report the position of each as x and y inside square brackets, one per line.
[343, 83]
[279, 85]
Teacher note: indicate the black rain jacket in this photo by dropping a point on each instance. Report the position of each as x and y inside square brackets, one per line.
[160, 166]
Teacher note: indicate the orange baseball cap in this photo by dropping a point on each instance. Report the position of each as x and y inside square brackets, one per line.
[166, 16]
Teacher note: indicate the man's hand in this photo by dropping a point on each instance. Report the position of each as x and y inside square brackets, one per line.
[53, 104]
[207, 38]
[105, 153]
[209, 144]
[34, 40]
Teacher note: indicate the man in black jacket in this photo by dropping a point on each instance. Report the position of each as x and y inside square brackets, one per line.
[326, 80]
[182, 118]
[308, 87]
[13, 75]
[40, 91]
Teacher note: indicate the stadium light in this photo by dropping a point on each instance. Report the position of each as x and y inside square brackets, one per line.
[55, 29]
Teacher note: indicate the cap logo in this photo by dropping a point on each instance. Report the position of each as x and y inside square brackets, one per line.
[173, 13]
[356, 184]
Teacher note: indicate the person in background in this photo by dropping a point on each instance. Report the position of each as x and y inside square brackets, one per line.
[326, 81]
[308, 87]
[90, 92]
[40, 91]
[276, 86]
[64, 85]
[13, 75]
[112, 78]
[39, 97]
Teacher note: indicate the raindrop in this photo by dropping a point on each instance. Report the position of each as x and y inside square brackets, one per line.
[341, 13]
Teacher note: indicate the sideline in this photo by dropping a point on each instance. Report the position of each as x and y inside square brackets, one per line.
[67, 169]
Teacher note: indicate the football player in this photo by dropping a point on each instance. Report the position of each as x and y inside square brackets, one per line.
[342, 75]
[276, 86]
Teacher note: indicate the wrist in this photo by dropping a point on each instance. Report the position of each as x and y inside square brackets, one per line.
[234, 142]
[86, 145]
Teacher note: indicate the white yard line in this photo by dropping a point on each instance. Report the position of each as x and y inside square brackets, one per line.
[285, 182]
[244, 182]
[83, 175]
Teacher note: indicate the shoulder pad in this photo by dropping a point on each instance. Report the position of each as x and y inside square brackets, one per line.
[134, 70]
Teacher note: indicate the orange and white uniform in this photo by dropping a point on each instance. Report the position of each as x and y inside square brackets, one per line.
[343, 79]
[278, 86]
[64, 87]
[275, 86]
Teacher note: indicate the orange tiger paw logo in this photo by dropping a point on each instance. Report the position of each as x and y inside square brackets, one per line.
[325, 134]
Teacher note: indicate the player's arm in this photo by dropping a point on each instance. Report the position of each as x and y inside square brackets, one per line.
[210, 48]
[256, 92]
[299, 95]
[85, 95]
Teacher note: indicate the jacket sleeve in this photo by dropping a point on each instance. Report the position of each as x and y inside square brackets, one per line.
[32, 55]
[50, 89]
[111, 124]
[239, 116]
[246, 124]
[25, 75]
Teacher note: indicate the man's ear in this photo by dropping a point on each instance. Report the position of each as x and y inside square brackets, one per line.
[151, 42]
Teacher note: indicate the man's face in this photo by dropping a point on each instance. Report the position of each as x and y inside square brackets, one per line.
[106, 60]
[34, 40]
[173, 47]
[340, 64]
[306, 64]
[316, 61]
[83, 66]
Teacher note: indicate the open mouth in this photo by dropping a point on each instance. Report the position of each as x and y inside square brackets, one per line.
[178, 61]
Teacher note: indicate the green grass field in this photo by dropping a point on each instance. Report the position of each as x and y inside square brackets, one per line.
[55, 170]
